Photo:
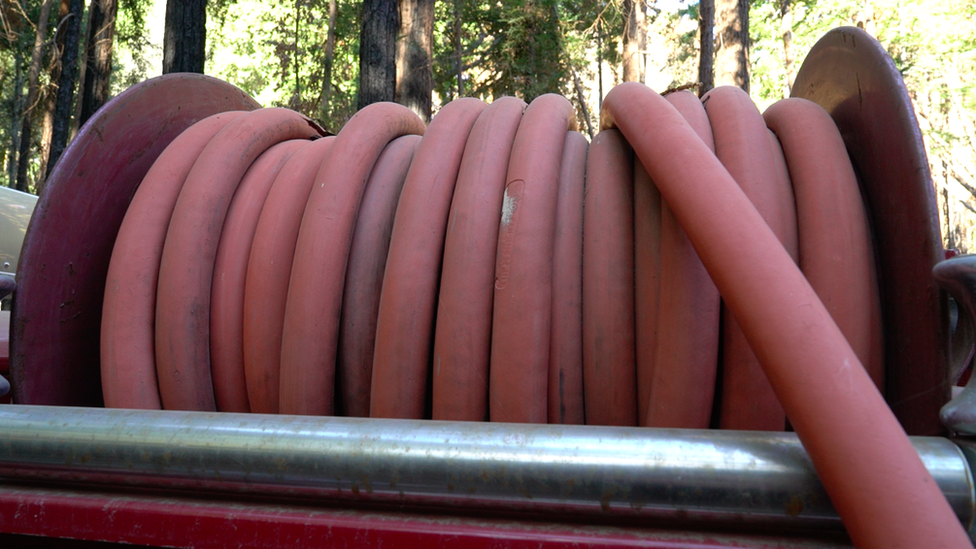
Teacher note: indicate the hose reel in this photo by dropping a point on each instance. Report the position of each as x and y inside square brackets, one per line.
[53, 332]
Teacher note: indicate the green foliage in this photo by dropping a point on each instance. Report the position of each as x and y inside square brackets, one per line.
[922, 37]
[136, 55]
[16, 43]
[519, 48]
[275, 51]
[680, 30]
[530, 61]
[472, 44]
[932, 43]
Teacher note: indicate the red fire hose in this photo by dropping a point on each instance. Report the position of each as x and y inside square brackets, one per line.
[494, 266]
[860, 451]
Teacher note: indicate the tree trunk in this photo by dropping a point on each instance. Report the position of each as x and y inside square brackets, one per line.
[329, 61]
[633, 19]
[377, 51]
[415, 74]
[18, 107]
[458, 57]
[50, 91]
[581, 99]
[732, 50]
[66, 85]
[787, 28]
[98, 68]
[295, 103]
[185, 36]
[599, 64]
[706, 60]
[47, 125]
[946, 212]
[642, 24]
[37, 55]
[82, 63]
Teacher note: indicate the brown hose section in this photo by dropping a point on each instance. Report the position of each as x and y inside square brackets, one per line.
[683, 388]
[230, 270]
[268, 272]
[742, 144]
[836, 254]
[408, 303]
[186, 268]
[647, 284]
[519, 369]
[364, 275]
[462, 338]
[609, 382]
[566, 341]
[879, 486]
[311, 328]
[128, 361]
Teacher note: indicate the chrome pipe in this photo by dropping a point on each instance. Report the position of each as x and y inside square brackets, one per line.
[709, 477]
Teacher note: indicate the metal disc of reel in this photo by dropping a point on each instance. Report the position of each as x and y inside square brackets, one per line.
[54, 356]
[852, 77]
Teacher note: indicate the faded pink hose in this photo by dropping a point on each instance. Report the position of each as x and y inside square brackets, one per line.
[310, 333]
[875, 479]
[518, 378]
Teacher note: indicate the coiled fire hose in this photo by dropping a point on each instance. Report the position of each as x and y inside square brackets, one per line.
[467, 274]
[226, 180]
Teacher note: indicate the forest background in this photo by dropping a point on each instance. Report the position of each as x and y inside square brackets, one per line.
[61, 59]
